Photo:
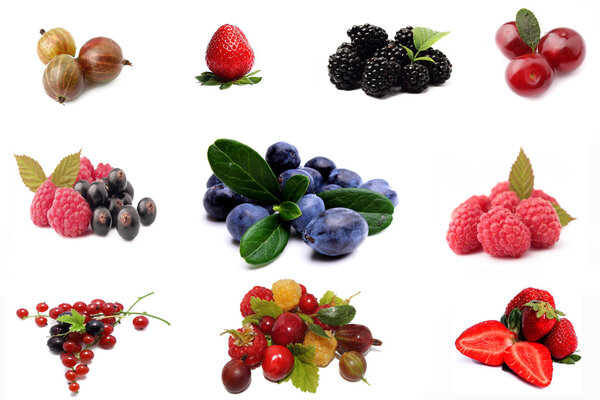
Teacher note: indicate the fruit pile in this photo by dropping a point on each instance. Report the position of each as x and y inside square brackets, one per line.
[291, 335]
[513, 218]
[527, 339]
[230, 58]
[534, 60]
[100, 60]
[372, 62]
[77, 196]
[82, 326]
[260, 199]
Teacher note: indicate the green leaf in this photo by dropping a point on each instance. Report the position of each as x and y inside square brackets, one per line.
[205, 76]
[67, 170]
[521, 176]
[424, 38]
[570, 359]
[337, 315]
[305, 318]
[563, 216]
[254, 73]
[74, 319]
[32, 173]
[255, 79]
[243, 81]
[264, 241]
[375, 208]
[305, 374]
[317, 330]
[410, 53]
[261, 309]
[329, 297]
[515, 321]
[424, 58]
[295, 187]
[528, 27]
[212, 82]
[244, 171]
[226, 85]
[288, 210]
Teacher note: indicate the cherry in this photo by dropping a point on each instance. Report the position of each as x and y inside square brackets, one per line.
[74, 387]
[107, 342]
[71, 375]
[510, 42]
[529, 74]
[308, 303]
[82, 369]
[108, 329]
[109, 309]
[277, 362]
[71, 347]
[65, 306]
[22, 313]
[564, 49]
[302, 289]
[88, 339]
[69, 361]
[322, 325]
[86, 356]
[55, 312]
[266, 324]
[41, 307]
[140, 322]
[288, 328]
[236, 376]
[41, 321]
[94, 308]
[80, 307]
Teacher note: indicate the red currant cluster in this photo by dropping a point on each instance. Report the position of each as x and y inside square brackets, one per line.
[80, 327]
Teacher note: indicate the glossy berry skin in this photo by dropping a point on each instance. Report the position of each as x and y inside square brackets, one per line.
[277, 362]
[71, 347]
[86, 356]
[65, 306]
[82, 369]
[126, 199]
[97, 194]
[330, 186]
[41, 321]
[107, 342]
[128, 223]
[243, 217]
[308, 303]
[510, 42]
[355, 337]
[287, 174]
[94, 308]
[101, 221]
[97, 301]
[129, 189]
[266, 324]
[353, 366]
[109, 309]
[70, 375]
[229, 54]
[69, 361]
[288, 328]
[80, 307]
[564, 49]
[22, 313]
[114, 206]
[108, 329]
[101, 59]
[282, 156]
[119, 306]
[82, 187]
[88, 339]
[147, 210]
[117, 181]
[219, 200]
[236, 376]
[322, 164]
[55, 312]
[58, 330]
[94, 327]
[383, 187]
[140, 322]
[75, 337]
[529, 75]
[74, 387]
[41, 307]
[63, 79]
[336, 231]
[344, 177]
[310, 205]
[55, 344]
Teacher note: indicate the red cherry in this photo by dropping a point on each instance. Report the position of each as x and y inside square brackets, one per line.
[41, 321]
[140, 322]
[109, 309]
[86, 356]
[65, 306]
[88, 339]
[80, 307]
[82, 369]
[277, 362]
[510, 42]
[288, 328]
[41, 307]
[107, 342]
[70, 375]
[302, 289]
[69, 361]
[22, 313]
[266, 324]
[55, 312]
[108, 329]
[74, 387]
[564, 49]
[308, 303]
[529, 75]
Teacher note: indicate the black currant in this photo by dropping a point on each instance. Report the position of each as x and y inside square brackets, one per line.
[95, 327]
[114, 206]
[64, 325]
[117, 181]
[101, 221]
[82, 187]
[129, 189]
[128, 223]
[55, 343]
[126, 198]
[97, 194]
[58, 330]
[147, 210]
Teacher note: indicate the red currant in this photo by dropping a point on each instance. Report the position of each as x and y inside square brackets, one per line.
[86, 356]
[308, 303]
[87, 317]
[107, 342]
[22, 313]
[109, 309]
[140, 322]
[71, 375]
[564, 49]
[41, 307]
[510, 42]
[119, 306]
[69, 361]
[75, 337]
[82, 369]
[65, 306]
[55, 312]
[71, 347]
[111, 320]
[277, 362]
[94, 308]
[88, 339]
[41, 321]
[529, 74]
[266, 324]
[74, 387]
[97, 301]
[80, 307]
[108, 329]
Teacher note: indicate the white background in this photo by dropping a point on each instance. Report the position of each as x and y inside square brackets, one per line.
[436, 149]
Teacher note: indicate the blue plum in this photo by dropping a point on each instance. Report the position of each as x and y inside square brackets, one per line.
[243, 217]
[336, 231]
[282, 156]
[331, 186]
[219, 200]
[317, 178]
[285, 175]
[322, 164]
[345, 178]
[383, 187]
[311, 205]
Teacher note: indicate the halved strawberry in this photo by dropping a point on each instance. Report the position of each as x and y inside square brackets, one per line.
[531, 361]
[486, 342]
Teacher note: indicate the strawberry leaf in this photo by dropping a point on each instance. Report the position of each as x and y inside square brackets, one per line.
[305, 374]
[209, 79]
[67, 170]
[570, 359]
[226, 85]
[521, 176]
[31, 172]
[563, 216]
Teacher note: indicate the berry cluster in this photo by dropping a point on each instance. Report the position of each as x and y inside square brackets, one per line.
[372, 62]
[527, 339]
[534, 60]
[82, 326]
[291, 335]
[513, 218]
[77, 196]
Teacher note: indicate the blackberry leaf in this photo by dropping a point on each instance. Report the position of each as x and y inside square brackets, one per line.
[424, 38]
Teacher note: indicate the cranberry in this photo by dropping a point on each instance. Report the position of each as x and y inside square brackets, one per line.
[563, 48]
[236, 376]
[277, 362]
[266, 324]
[529, 74]
[308, 303]
[510, 42]
[288, 328]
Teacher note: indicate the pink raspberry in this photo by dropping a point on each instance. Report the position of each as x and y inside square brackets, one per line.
[70, 214]
[541, 219]
[499, 188]
[462, 232]
[507, 199]
[102, 171]
[42, 201]
[256, 291]
[502, 234]
[540, 193]
[86, 171]
[482, 201]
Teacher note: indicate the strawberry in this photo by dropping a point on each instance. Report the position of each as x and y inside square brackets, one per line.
[229, 55]
[562, 340]
[538, 319]
[527, 295]
[531, 361]
[486, 342]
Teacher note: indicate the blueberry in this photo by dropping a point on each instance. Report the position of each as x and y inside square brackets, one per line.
[128, 223]
[147, 210]
[97, 194]
[383, 187]
[55, 344]
[282, 156]
[101, 221]
[336, 231]
[59, 329]
[126, 198]
[117, 181]
[114, 206]
[243, 217]
[317, 178]
[331, 186]
[129, 189]
[285, 175]
[345, 178]
[94, 327]
[212, 181]
[322, 164]
[82, 187]
[219, 200]
[311, 205]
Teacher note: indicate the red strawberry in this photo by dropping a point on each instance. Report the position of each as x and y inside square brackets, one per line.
[527, 295]
[539, 318]
[486, 342]
[229, 55]
[562, 340]
[531, 361]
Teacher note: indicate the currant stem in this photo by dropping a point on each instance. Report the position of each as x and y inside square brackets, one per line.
[133, 305]
[123, 314]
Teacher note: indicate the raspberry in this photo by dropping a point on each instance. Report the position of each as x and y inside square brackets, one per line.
[102, 171]
[541, 219]
[527, 295]
[286, 294]
[482, 201]
[257, 291]
[499, 188]
[506, 199]
[324, 348]
[540, 193]
[42, 201]
[462, 232]
[86, 170]
[247, 344]
[70, 214]
[502, 234]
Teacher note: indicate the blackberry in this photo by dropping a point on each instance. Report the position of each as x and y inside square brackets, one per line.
[367, 39]
[345, 68]
[404, 37]
[396, 55]
[439, 72]
[414, 78]
[378, 77]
